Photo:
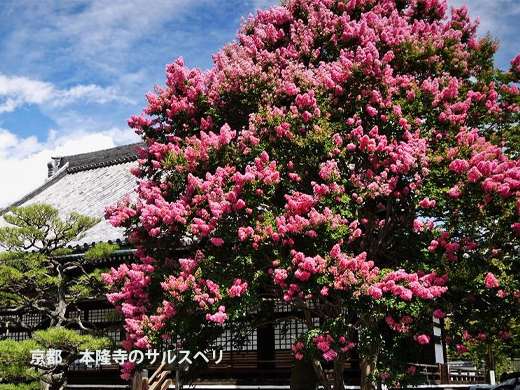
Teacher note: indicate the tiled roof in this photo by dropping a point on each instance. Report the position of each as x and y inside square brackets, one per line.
[86, 184]
[101, 158]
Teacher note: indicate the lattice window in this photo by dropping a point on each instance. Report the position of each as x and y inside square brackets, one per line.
[233, 341]
[251, 342]
[115, 335]
[224, 341]
[167, 345]
[75, 313]
[285, 333]
[8, 318]
[18, 336]
[100, 315]
[32, 319]
[282, 307]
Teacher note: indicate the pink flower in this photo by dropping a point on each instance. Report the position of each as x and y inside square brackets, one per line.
[142, 342]
[459, 166]
[323, 346]
[375, 292]
[515, 63]
[481, 337]
[418, 226]
[238, 288]
[329, 170]
[411, 370]
[426, 203]
[371, 110]
[439, 314]
[433, 246]
[423, 339]
[219, 317]
[454, 192]
[504, 335]
[154, 232]
[217, 241]
[330, 355]
[406, 295]
[491, 281]
[127, 370]
[280, 275]
[461, 348]
[245, 232]
[474, 174]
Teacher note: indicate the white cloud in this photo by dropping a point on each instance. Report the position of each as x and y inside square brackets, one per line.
[21, 90]
[100, 35]
[23, 161]
[18, 91]
[11, 146]
[91, 92]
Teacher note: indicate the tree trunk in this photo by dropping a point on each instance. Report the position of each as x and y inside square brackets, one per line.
[62, 386]
[303, 376]
[54, 381]
[339, 369]
[137, 381]
[61, 305]
[320, 373]
[368, 363]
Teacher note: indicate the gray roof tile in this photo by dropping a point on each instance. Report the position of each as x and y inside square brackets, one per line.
[88, 189]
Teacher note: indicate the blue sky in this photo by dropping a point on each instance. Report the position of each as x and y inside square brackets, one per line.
[72, 72]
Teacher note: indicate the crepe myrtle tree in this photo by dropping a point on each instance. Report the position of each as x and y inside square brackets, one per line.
[41, 281]
[350, 158]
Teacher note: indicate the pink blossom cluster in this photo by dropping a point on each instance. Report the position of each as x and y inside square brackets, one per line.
[298, 349]
[350, 271]
[238, 288]
[120, 213]
[491, 281]
[423, 339]
[132, 300]
[401, 326]
[486, 165]
[408, 285]
[461, 349]
[451, 248]
[220, 316]
[326, 344]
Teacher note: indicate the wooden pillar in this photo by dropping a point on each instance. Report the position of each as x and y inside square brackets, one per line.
[491, 362]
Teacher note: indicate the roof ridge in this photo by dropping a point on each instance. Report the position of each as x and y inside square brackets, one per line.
[100, 164]
[101, 150]
[101, 158]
